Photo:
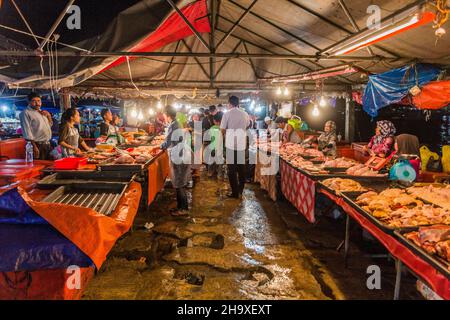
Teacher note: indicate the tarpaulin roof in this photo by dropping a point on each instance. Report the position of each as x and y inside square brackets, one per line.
[392, 86]
[271, 27]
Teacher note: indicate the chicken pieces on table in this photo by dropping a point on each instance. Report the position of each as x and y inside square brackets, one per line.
[435, 240]
[343, 185]
[397, 208]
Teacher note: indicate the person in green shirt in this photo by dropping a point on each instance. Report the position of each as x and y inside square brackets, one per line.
[215, 164]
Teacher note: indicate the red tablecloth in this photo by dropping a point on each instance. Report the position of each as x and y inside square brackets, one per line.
[437, 281]
[299, 190]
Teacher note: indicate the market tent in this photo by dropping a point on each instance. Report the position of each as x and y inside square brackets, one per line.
[285, 27]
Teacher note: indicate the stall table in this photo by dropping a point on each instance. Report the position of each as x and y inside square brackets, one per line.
[437, 281]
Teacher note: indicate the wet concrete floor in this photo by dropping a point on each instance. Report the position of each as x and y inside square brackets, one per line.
[238, 249]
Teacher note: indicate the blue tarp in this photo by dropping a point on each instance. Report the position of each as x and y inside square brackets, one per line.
[28, 242]
[392, 86]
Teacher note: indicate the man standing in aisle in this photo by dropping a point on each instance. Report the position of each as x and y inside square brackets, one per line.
[233, 126]
[37, 127]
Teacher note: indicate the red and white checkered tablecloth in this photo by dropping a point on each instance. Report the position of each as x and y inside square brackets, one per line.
[298, 190]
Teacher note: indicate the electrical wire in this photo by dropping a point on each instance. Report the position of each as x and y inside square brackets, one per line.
[25, 21]
[43, 38]
[131, 78]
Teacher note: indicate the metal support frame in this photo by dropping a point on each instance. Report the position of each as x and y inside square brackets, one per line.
[180, 13]
[255, 71]
[276, 26]
[236, 24]
[398, 278]
[347, 240]
[281, 47]
[55, 24]
[265, 39]
[227, 60]
[24, 20]
[352, 21]
[194, 54]
[212, 41]
[171, 61]
[195, 58]
[391, 16]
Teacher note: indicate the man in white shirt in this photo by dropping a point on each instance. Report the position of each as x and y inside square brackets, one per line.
[234, 127]
[37, 127]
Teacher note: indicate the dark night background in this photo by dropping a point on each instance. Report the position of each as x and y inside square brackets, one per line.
[407, 119]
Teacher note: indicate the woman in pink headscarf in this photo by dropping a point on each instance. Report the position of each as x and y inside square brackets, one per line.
[383, 141]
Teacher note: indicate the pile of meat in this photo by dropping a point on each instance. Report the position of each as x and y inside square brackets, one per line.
[158, 140]
[435, 240]
[312, 153]
[436, 194]
[343, 185]
[339, 163]
[269, 146]
[396, 208]
[362, 170]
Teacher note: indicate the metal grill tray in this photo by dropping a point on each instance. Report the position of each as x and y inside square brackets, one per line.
[440, 264]
[350, 199]
[138, 167]
[335, 169]
[100, 197]
[66, 178]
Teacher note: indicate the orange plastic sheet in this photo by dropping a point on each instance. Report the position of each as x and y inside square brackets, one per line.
[434, 95]
[57, 284]
[158, 171]
[93, 233]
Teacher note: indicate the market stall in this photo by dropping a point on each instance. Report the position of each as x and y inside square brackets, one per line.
[99, 196]
[411, 240]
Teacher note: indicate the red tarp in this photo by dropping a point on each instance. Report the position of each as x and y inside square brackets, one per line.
[434, 95]
[172, 29]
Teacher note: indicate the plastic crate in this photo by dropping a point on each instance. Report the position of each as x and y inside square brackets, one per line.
[70, 163]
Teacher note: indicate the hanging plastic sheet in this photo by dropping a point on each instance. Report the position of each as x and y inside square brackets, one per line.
[392, 86]
[435, 95]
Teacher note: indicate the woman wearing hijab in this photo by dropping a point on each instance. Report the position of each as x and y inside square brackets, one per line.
[382, 142]
[327, 140]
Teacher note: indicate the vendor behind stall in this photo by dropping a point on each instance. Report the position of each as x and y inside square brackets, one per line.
[288, 134]
[36, 127]
[327, 140]
[106, 127]
[69, 137]
[407, 146]
[382, 142]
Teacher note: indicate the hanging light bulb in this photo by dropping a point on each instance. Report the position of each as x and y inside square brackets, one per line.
[252, 105]
[323, 102]
[134, 113]
[286, 91]
[151, 111]
[140, 116]
[315, 111]
[159, 105]
[279, 91]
